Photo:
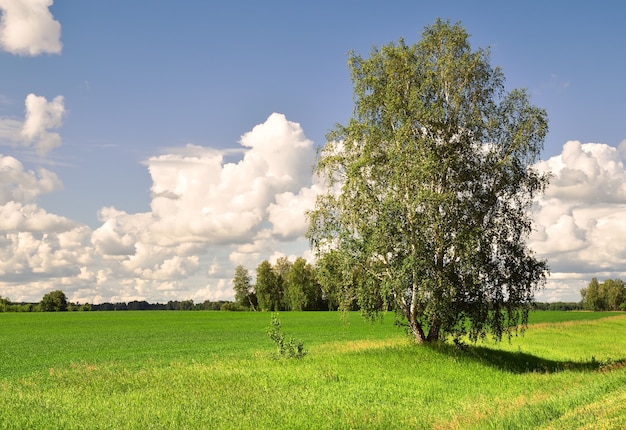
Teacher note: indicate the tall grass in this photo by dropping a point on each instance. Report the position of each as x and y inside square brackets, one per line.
[214, 370]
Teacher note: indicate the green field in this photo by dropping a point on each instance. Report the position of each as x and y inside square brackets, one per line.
[215, 370]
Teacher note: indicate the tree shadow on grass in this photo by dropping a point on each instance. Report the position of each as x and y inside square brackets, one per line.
[521, 362]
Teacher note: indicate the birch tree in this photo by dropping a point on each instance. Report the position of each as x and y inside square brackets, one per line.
[429, 189]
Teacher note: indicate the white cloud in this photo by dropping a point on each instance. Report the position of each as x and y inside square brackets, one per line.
[28, 28]
[42, 117]
[581, 220]
[200, 198]
[208, 215]
[287, 214]
[20, 185]
[39, 251]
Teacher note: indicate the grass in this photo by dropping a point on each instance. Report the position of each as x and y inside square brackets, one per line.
[213, 370]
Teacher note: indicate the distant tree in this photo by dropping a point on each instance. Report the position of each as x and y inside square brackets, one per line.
[232, 306]
[281, 270]
[242, 285]
[106, 306]
[137, 305]
[27, 307]
[303, 291]
[591, 296]
[186, 305]
[429, 189]
[614, 292]
[267, 287]
[120, 306]
[5, 303]
[212, 306]
[296, 286]
[54, 301]
[609, 295]
[337, 281]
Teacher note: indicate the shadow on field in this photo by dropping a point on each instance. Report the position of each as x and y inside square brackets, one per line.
[520, 362]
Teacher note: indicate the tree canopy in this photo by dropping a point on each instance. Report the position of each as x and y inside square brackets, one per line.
[609, 295]
[429, 190]
[53, 301]
[242, 285]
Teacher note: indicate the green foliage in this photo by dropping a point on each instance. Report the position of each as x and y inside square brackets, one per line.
[281, 269]
[289, 286]
[267, 287]
[430, 187]
[230, 306]
[558, 306]
[5, 304]
[609, 295]
[54, 301]
[242, 284]
[303, 292]
[292, 348]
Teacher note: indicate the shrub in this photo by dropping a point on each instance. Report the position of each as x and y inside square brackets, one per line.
[293, 348]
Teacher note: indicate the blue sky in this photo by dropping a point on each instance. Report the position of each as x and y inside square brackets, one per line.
[149, 91]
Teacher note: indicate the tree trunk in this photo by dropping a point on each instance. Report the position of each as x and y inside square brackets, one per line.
[417, 329]
[433, 331]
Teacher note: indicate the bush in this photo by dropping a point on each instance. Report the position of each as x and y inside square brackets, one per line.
[293, 348]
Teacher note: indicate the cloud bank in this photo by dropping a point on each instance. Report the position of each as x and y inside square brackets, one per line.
[580, 222]
[206, 216]
[28, 28]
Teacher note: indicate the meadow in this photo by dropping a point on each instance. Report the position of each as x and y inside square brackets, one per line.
[160, 369]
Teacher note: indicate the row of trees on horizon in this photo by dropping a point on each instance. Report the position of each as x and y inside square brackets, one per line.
[56, 301]
[296, 286]
[609, 295]
[283, 286]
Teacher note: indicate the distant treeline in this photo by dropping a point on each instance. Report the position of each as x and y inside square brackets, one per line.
[184, 305]
[59, 304]
[609, 295]
[559, 306]
[189, 305]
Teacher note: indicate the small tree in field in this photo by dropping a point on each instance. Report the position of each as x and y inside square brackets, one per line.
[292, 348]
[430, 186]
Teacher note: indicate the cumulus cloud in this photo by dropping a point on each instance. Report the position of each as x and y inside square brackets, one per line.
[208, 215]
[20, 185]
[199, 197]
[37, 248]
[580, 224]
[287, 213]
[42, 118]
[28, 28]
